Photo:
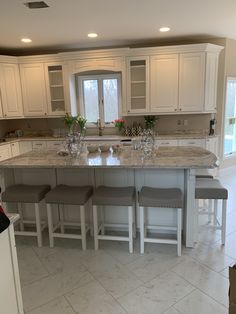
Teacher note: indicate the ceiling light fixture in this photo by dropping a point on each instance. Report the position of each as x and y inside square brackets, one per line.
[92, 35]
[26, 40]
[164, 29]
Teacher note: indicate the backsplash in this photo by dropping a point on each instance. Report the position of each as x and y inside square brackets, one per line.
[164, 124]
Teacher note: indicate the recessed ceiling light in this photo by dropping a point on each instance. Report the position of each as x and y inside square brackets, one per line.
[164, 29]
[92, 35]
[26, 40]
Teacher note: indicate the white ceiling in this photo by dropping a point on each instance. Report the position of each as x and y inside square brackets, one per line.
[66, 23]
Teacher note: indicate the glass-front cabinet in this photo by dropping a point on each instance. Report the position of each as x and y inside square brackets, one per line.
[137, 85]
[55, 90]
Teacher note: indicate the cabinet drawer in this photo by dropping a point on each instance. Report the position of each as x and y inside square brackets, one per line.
[192, 142]
[39, 144]
[166, 142]
[5, 152]
[55, 144]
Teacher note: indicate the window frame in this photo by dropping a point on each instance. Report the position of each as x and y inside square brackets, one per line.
[99, 78]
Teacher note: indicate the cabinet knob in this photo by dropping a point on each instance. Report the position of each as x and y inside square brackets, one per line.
[45, 113]
[128, 110]
[180, 109]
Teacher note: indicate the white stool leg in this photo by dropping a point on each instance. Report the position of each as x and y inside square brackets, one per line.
[95, 226]
[179, 230]
[83, 229]
[20, 211]
[50, 225]
[141, 213]
[90, 210]
[209, 210]
[102, 219]
[215, 211]
[223, 224]
[38, 225]
[130, 215]
[145, 221]
[134, 221]
[61, 217]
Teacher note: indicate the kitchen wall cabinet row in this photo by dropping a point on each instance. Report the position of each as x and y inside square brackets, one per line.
[160, 80]
[172, 83]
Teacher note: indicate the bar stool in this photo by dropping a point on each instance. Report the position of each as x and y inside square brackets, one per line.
[68, 195]
[21, 193]
[211, 189]
[206, 208]
[114, 196]
[159, 198]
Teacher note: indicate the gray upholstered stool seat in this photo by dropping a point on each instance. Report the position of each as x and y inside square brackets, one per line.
[113, 196]
[72, 195]
[212, 189]
[21, 193]
[68, 195]
[204, 176]
[162, 198]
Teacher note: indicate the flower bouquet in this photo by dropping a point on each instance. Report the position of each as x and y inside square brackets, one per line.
[119, 124]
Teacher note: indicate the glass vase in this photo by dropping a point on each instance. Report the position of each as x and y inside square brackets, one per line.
[73, 143]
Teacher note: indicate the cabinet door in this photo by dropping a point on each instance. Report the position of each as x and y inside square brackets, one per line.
[55, 90]
[211, 81]
[5, 152]
[191, 82]
[25, 146]
[138, 85]
[164, 83]
[11, 90]
[33, 89]
[166, 143]
[55, 144]
[15, 149]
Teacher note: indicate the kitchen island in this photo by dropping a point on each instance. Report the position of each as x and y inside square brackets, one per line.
[167, 167]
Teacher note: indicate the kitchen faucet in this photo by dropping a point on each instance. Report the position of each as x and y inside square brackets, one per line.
[100, 128]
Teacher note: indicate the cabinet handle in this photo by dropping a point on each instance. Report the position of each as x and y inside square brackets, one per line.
[180, 109]
[45, 113]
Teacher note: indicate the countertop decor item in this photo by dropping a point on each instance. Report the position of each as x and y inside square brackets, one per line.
[150, 122]
[70, 122]
[119, 124]
[81, 121]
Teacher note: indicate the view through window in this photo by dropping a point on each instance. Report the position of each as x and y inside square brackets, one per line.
[100, 97]
[230, 118]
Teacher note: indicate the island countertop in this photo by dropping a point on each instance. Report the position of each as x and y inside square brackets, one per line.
[180, 157]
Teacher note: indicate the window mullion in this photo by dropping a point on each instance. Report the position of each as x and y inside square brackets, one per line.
[101, 101]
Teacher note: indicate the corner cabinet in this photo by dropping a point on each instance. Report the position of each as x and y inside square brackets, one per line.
[10, 89]
[33, 89]
[137, 85]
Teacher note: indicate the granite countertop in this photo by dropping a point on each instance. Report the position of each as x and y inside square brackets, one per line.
[163, 157]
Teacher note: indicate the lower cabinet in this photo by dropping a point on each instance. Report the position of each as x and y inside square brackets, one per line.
[25, 146]
[5, 152]
[15, 149]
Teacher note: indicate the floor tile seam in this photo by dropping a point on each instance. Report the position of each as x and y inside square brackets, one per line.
[96, 280]
[200, 289]
[180, 299]
[37, 307]
[222, 304]
[35, 281]
[174, 309]
[122, 263]
[38, 255]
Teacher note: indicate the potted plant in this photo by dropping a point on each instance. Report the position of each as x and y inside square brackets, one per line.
[150, 122]
[70, 122]
[81, 121]
[119, 124]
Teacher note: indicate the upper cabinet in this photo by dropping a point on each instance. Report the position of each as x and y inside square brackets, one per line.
[164, 83]
[42, 89]
[10, 89]
[138, 85]
[33, 89]
[191, 82]
[55, 90]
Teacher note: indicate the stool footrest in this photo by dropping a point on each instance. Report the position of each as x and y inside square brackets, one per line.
[26, 233]
[112, 238]
[66, 235]
[166, 241]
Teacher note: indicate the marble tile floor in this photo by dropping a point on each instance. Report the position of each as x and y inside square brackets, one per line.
[66, 280]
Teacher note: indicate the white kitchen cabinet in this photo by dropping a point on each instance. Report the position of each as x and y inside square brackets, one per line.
[11, 297]
[211, 81]
[15, 149]
[164, 83]
[192, 142]
[212, 145]
[191, 82]
[55, 89]
[55, 144]
[25, 146]
[10, 89]
[5, 152]
[39, 145]
[33, 89]
[137, 85]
